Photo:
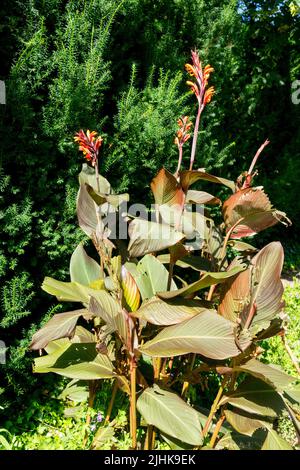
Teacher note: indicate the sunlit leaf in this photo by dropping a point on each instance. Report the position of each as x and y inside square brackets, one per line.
[255, 396]
[170, 414]
[150, 275]
[130, 290]
[61, 325]
[275, 442]
[206, 280]
[187, 178]
[76, 361]
[244, 423]
[147, 237]
[255, 295]
[159, 312]
[271, 374]
[201, 197]
[253, 206]
[83, 268]
[207, 333]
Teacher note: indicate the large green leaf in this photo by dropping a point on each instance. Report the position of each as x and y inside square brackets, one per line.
[253, 206]
[170, 414]
[255, 396]
[206, 280]
[187, 178]
[254, 296]
[275, 442]
[207, 333]
[76, 390]
[76, 361]
[244, 423]
[271, 374]
[150, 275]
[149, 237]
[75, 292]
[61, 325]
[83, 268]
[158, 312]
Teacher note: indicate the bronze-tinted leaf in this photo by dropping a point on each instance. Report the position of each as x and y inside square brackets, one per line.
[207, 334]
[148, 237]
[61, 325]
[254, 296]
[253, 206]
[158, 312]
[206, 280]
[187, 178]
[244, 423]
[201, 197]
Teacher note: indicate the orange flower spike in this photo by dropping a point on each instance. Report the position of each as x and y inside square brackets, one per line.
[208, 95]
[191, 70]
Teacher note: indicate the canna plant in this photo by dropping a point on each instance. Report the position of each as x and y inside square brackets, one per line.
[150, 330]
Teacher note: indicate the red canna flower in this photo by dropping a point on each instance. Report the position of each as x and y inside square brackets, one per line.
[89, 144]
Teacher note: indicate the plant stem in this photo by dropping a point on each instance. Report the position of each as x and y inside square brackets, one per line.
[179, 160]
[195, 137]
[216, 431]
[171, 267]
[133, 402]
[112, 400]
[228, 234]
[256, 156]
[92, 395]
[214, 407]
[149, 438]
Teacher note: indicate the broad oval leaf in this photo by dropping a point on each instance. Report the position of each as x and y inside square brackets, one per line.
[159, 312]
[150, 275]
[76, 361]
[187, 178]
[88, 176]
[206, 280]
[149, 237]
[255, 295]
[275, 442]
[269, 373]
[244, 423]
[170, 414]
[86, 212]
[207, 334]
[253, 206]
[61, 325]
[201, 197]
[83, 268]
[255, 396]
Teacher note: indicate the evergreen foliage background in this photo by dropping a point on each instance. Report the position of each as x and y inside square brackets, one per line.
[118, 67]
